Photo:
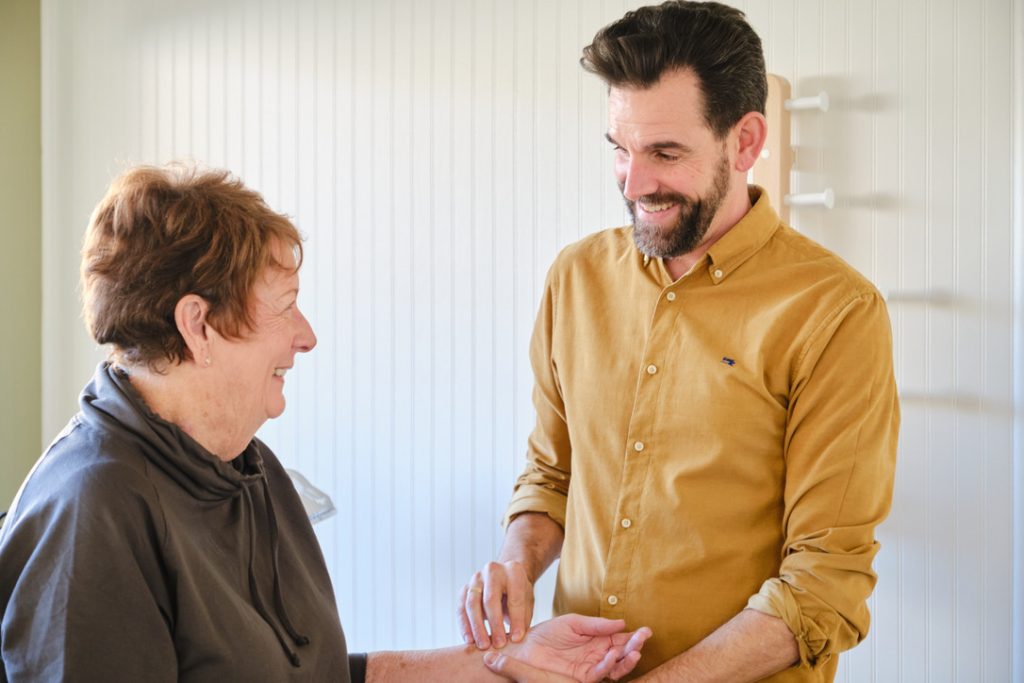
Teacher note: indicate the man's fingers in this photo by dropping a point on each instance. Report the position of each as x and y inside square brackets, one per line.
[475, 613]
[460, 613]
[498, 591]
[518, 602]
[494, 591]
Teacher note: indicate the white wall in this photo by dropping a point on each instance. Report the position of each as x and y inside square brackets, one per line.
[1018, 346]
[438, 154]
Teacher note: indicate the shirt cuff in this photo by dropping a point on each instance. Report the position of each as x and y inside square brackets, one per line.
[776, 599]
[536, 498]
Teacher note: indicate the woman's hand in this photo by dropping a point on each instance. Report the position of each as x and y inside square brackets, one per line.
[521, 672]
[571, 648]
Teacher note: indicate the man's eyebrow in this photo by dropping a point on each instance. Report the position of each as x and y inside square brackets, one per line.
[677, 146]
[656, 146]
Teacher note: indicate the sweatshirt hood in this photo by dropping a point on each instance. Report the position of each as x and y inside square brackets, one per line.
[111, 402]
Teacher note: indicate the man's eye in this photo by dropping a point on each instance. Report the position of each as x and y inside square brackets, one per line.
[665, 157]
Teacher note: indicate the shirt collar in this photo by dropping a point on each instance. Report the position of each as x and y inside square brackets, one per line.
[745, 238]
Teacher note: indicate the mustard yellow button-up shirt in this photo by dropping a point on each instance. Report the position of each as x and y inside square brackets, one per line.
[722, 441]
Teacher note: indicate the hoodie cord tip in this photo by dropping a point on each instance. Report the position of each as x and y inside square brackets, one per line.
[301, 640]
[294, 659]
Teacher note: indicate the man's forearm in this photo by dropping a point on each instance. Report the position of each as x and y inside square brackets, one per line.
[750, 646]
[534, 540]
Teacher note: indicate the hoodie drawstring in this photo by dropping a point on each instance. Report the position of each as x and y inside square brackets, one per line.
[282, 613]
[257, 599]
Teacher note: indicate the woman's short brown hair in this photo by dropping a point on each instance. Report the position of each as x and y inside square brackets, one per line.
[162, 233]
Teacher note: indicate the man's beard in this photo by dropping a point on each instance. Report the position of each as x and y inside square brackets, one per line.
[695, 218]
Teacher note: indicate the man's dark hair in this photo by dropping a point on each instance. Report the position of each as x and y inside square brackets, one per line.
[713, 40]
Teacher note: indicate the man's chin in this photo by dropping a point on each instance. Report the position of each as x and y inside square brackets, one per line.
[653, 245]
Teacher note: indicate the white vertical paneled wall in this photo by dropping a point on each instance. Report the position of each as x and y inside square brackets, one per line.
[438, 153]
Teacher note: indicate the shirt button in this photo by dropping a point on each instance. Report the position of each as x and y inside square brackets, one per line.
[651, 369]
[718, 272]
[626, 523]
[638, 446]
[671, 296]
[612, 600]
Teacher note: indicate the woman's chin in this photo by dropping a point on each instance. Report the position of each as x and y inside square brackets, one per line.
[275, 409]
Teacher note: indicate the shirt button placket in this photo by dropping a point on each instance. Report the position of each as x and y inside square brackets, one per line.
[624, 538]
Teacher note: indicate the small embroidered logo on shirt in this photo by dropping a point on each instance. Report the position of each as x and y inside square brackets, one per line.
[728, 361]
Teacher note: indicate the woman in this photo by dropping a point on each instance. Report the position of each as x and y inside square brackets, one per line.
[157, 538]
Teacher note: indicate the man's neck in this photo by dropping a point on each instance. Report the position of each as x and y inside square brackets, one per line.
[733, 209]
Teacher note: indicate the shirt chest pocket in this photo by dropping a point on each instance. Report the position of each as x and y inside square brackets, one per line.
[713, 399]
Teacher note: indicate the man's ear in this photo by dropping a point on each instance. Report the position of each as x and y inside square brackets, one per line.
[190, 317]
[751, 133]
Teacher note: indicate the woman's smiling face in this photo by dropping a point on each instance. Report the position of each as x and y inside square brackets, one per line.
[253, 368]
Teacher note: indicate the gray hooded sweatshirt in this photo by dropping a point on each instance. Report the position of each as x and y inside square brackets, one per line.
[133, 554]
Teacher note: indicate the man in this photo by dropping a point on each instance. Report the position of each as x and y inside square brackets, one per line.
[716, 411]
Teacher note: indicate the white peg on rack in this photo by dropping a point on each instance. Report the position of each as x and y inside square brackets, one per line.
[919, 296]
[827, 199]
[819, 101]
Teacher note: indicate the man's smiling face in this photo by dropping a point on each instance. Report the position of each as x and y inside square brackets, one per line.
[673, 171]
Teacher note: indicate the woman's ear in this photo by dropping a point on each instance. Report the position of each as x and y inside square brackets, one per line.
[752, 131]
[190, 317]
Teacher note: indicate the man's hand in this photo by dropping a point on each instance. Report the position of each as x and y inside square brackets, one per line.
[501, 591]
[572, 648]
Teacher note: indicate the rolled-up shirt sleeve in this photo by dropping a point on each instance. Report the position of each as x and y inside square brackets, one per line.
[840, 454]
[544, 484]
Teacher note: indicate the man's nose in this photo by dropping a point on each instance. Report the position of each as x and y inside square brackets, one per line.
[638, 180]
